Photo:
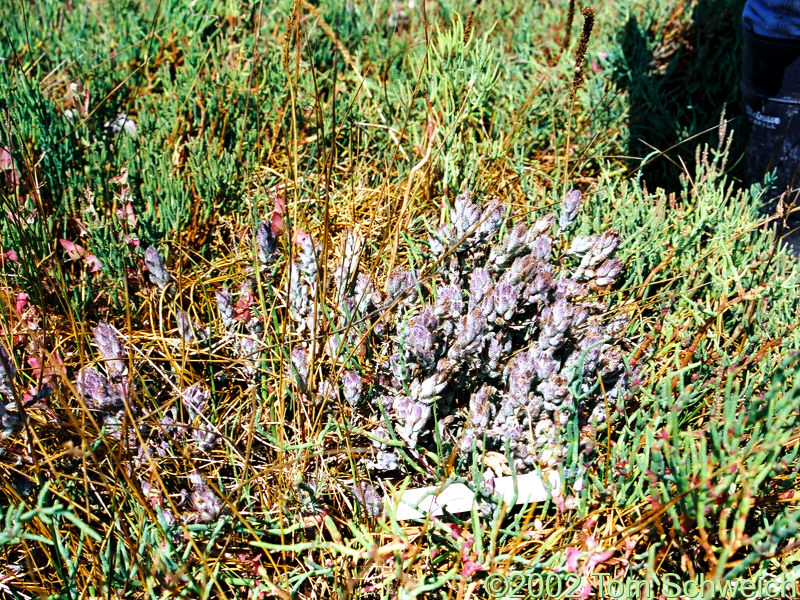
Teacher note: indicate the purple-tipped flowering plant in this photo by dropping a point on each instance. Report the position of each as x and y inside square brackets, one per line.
[155, 266]
[504, 339]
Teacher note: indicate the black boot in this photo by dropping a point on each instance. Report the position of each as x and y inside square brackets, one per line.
[771, 95]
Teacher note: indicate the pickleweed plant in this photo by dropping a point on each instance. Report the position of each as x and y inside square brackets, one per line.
[501, 342]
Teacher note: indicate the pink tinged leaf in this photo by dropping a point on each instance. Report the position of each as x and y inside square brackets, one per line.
[126, 213]
[73, 250]
[586, 591]
[598, 559]
[37, 365]
[242, 310]
[93, 263]
[121, 179]
[431, 129]
[10, 255]
[22, 300]
[7, 164]
[280, 205]
[455, 530]
[572, 559]
[470, 568]
[301, 238]
[13, 217]
[630, 546]
[45, 368]
[278, 223]
[133, 242]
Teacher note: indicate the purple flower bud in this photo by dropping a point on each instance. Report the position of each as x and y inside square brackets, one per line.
[386, 461]
[579, 316]
[397, 368]
[487, 482]
[611, 360]
[399, 282]
[569, 289]
[492, 218]
[480, 283]
[512, 245]
[588, 350]
[427, 319]
[449, 302]
[369, 499]
[554, 390]
[267, 243]
[494, 354]
[352, 385]
[608, 271]
[541, 247]
[542, 226]
[557, 319]
[300, 362]
[468, 333]
[538, 289]
[97, 391]
[543, 362]
[522, 269]
[421, 343]
[326, 392]
[155, 266]
[248, 349]
[412, 416]
[205, 439]
[561, 314]
[205, 502]
[8, 422]
[110, 348]
[505, 300]
[600, 250]
[480, 407]
[569, 209]
[465, 213]
[519, 375]
[428, 391]
[226, 308]
[7, 373]
[581, 245]
[185, 329]
[439, 240]
[195, 397]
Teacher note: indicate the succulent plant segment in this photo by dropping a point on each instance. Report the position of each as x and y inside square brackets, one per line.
[500, 346]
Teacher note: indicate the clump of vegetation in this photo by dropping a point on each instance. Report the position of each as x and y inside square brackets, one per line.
[495, 342]
[263, 266]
